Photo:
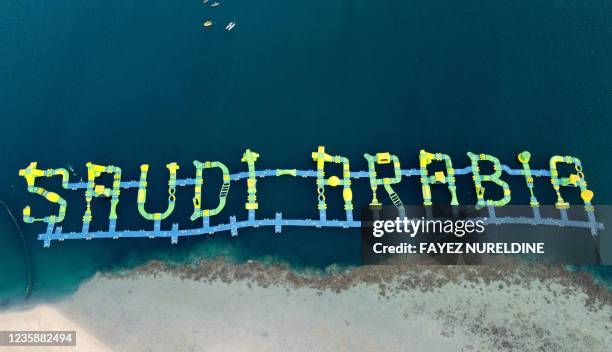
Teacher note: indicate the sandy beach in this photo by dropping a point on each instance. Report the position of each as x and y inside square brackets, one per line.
[46, 317]
[215, 306]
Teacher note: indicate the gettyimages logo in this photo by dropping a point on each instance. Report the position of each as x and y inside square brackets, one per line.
[413, 227]
[444, 234]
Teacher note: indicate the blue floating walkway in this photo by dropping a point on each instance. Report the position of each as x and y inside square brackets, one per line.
[55, 233]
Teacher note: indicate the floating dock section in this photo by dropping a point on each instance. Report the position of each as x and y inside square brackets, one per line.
[320, 157]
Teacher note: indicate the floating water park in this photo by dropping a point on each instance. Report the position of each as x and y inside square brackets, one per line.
[481, 183]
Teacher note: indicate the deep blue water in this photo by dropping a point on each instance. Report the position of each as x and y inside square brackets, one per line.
[143, 82]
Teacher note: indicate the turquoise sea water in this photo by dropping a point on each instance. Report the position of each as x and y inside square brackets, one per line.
[130, 83]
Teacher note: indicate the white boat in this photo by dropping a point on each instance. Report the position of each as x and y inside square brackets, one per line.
[230, 26]
[215, 4]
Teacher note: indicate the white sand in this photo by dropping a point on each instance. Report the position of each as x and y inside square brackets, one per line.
[166, 313]
[48, 318]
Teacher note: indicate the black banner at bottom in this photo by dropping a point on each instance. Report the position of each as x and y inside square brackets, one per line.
[451, 235]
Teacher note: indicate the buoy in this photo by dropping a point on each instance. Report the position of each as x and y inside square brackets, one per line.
[347, 194]
[334, 181]
[586, 195]
[524, 157]
[573, 178]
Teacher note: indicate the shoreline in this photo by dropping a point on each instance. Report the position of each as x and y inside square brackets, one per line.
[220, 306]
[339, 278]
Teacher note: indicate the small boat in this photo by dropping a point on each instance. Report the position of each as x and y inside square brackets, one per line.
[208, 23]
[230, 26]
[204, 1]
[215, 4]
